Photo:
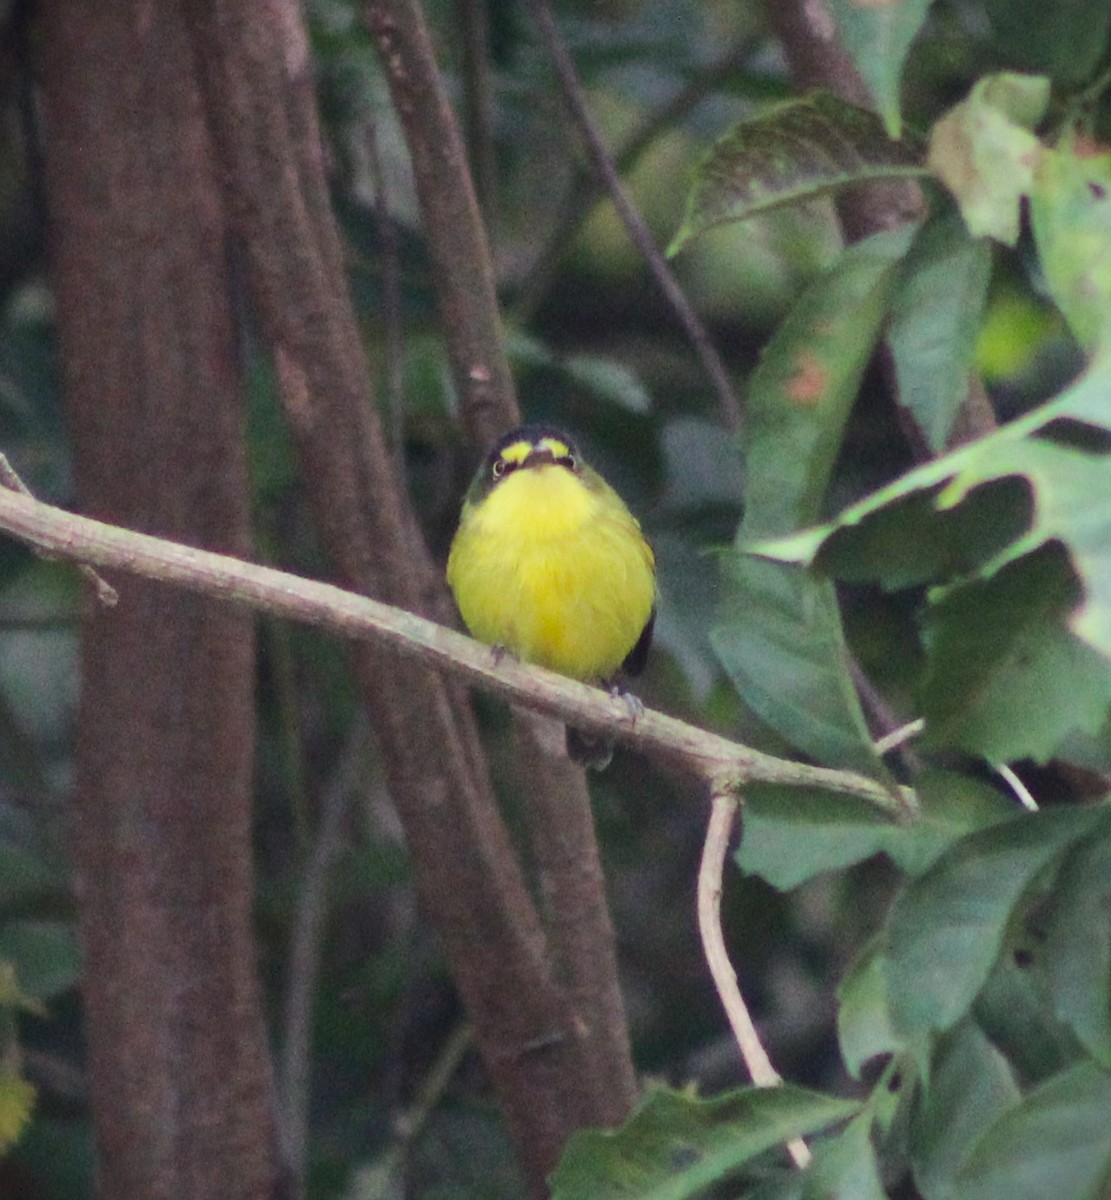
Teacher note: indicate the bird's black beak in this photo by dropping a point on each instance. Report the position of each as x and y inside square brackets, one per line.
[541, 456]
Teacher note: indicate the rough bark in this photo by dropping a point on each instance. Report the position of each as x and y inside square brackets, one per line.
[454, 233]
[253, 62]
[161, 820]
[577, 920]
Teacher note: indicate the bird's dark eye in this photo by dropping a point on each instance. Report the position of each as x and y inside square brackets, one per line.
[498, 469]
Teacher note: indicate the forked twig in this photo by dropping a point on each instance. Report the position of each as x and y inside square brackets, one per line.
[726, 802]
[105, 592]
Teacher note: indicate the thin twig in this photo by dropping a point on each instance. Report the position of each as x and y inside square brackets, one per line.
[393, 357]
[634, 223]
[1021, 791]
[304, 957]
[462, 268]
[707, 755]
[726, 802]
[10, 478]
[586, 188]
[473, 23]
[900, 736]
[884, 719]
[379, 1181]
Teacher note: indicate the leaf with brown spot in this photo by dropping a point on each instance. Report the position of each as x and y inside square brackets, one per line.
[779, 632]
[809, 381]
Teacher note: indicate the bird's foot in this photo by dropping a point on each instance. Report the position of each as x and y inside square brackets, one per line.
[634, 704]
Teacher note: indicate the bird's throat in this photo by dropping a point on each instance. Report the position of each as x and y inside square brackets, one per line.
[541, 503]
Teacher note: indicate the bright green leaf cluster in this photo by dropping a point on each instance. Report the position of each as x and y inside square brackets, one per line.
[1014, 532]
[985, 999]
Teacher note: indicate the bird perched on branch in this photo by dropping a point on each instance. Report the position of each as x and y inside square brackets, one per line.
[549, 564]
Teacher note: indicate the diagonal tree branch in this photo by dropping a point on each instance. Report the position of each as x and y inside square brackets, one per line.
[586, 187]
[708, 756]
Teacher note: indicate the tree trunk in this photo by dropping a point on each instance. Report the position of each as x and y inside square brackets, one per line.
[161, 821]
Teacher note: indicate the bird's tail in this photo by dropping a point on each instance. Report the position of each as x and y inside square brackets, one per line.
[591, 750]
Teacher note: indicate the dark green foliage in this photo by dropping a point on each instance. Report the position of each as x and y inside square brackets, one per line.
[941, 986]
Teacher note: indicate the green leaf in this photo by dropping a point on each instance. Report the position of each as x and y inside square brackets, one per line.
[792, 835]
[1014, 1011]
[1070, 214]
[779, 636]
[964, 469]
[787, 1186]
[935, 323]
[794, 151]
[703, 469]
[804, 388]
[1055, 1142]
[983, 150]
[44, 954]
[971, 1085]
[675, 1145]
[608, 380]
[1072, 504]
[1007, 679]
[878, 36]
[17, 1102]
[951, 806]
[945, 930]
[1044, 478]
[26, 877]
[844, 1167]
[864, 1028]
[913, 540]
[1078, 946]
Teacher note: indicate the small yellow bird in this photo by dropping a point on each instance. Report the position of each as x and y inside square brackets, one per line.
[549, 564]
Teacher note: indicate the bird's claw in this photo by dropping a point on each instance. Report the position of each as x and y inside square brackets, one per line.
[499, 653]
[634, 704]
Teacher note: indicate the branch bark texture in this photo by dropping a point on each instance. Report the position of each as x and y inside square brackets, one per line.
[454, 233]
[708, 756]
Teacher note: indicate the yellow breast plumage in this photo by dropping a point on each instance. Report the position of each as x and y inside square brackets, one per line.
[549, 563]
